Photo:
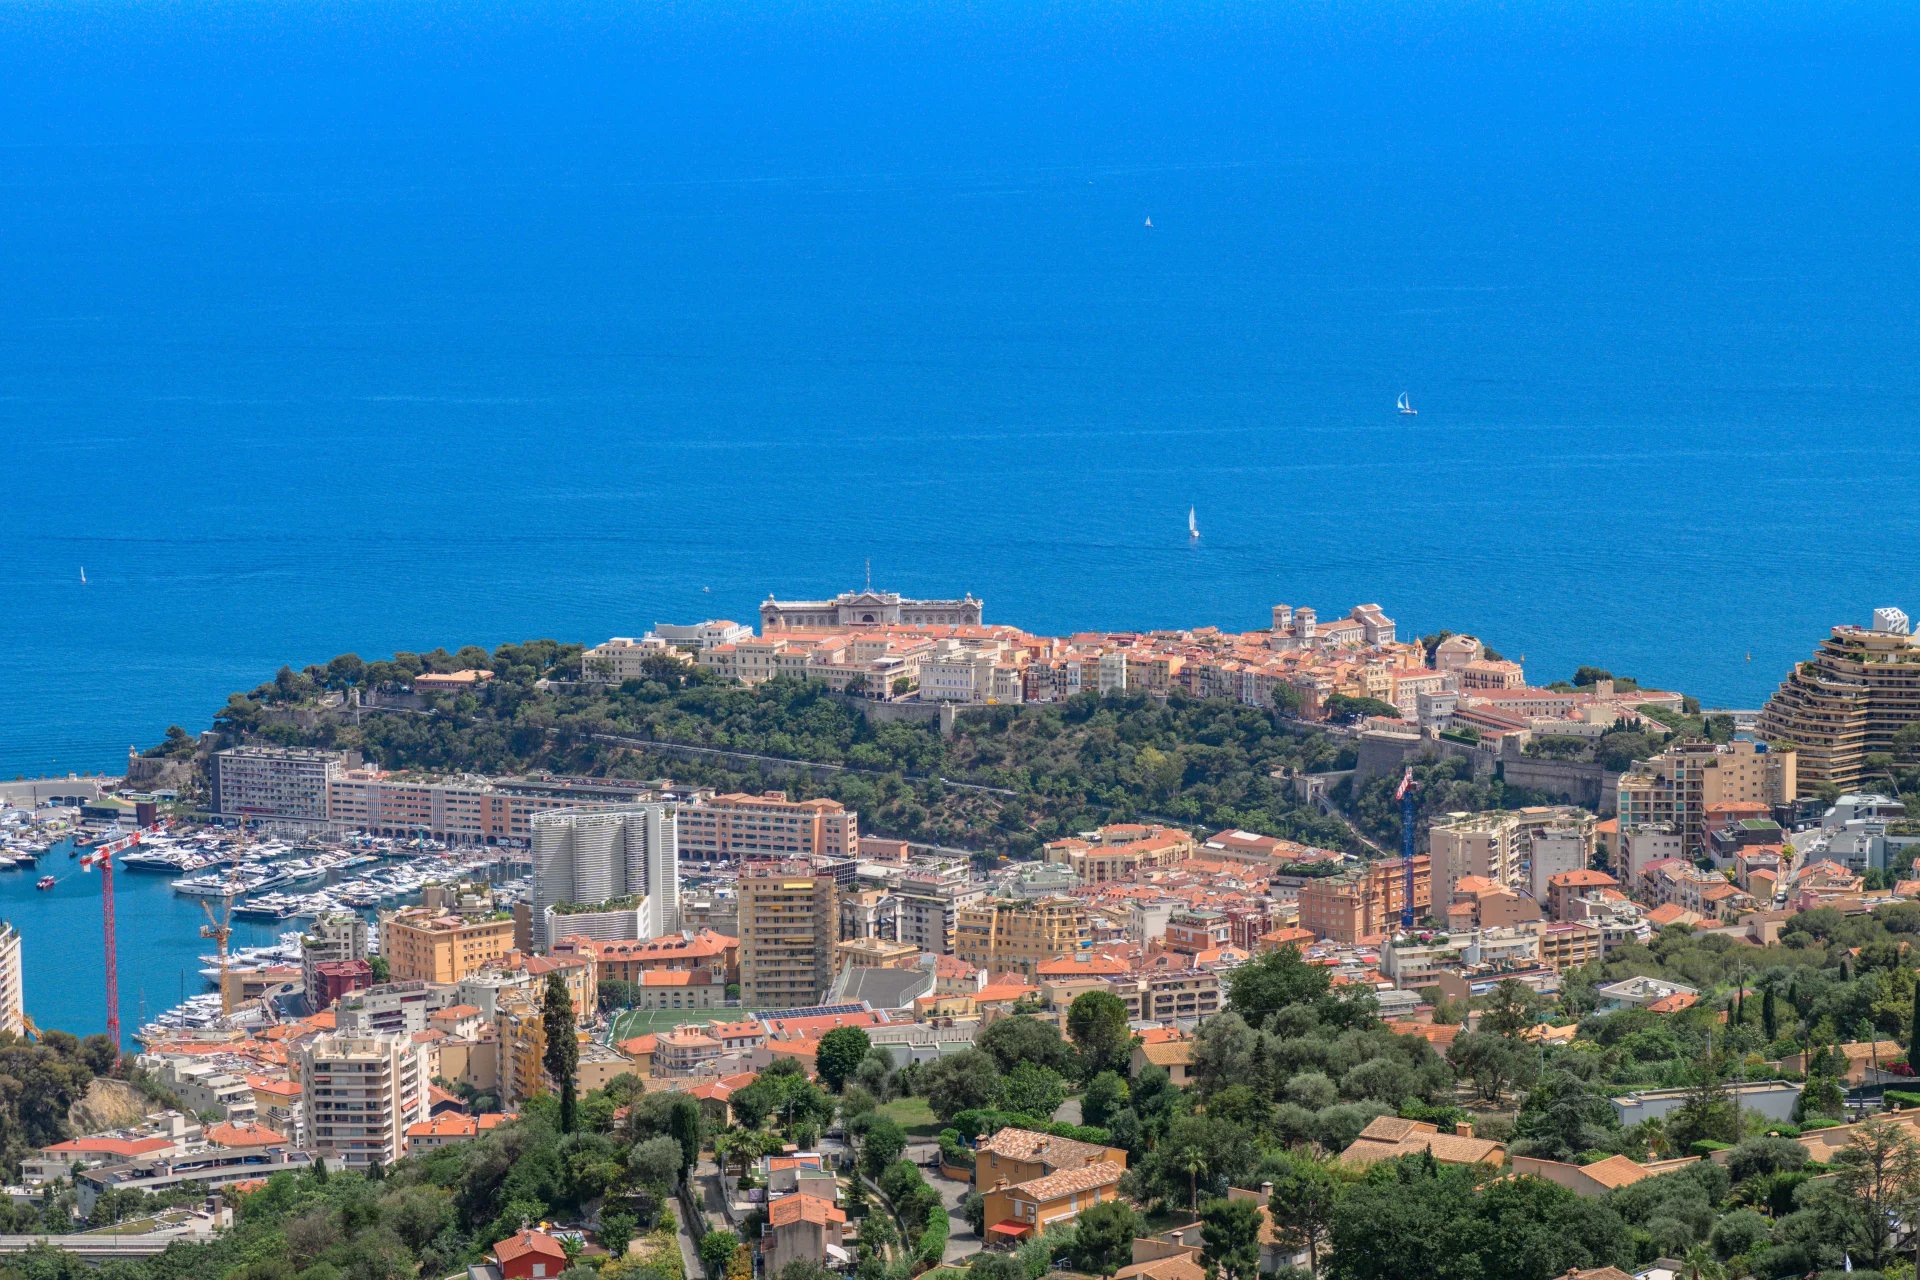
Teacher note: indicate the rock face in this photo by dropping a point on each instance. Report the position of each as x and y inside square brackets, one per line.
[109, 1104]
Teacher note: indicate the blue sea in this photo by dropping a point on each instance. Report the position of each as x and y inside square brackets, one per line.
[365, 326]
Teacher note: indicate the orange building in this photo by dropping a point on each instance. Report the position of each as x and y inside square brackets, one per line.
[1364, 905]
[1033, 1180]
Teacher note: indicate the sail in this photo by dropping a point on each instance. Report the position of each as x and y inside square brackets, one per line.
[1193, 526]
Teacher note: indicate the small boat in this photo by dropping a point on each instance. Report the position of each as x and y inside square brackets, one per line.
[1405, 405]
[1149, 222]
[44, 882]
[1193, 526]
[83, 575]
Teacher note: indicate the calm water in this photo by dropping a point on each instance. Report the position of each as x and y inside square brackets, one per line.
[158, 935]
[374, 326]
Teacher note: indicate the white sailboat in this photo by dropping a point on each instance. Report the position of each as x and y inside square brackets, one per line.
[1405, 405]
[1193, 526]
[83, 575]
[1149, 222]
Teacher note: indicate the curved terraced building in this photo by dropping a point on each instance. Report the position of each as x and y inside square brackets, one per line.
[1861, 687]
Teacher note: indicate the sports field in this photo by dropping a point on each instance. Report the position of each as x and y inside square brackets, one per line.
[629, 1023]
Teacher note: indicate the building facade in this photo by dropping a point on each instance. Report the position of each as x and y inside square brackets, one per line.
[361, 1094]
[626, 855]
[424, 945]
[868, 609]
[1500, 844]
[1677, 787]
[1861, 687]
[1365, 905]
[13, 1007]
[736, 827]
[277, 783]
[1020, 934]
[789, 923]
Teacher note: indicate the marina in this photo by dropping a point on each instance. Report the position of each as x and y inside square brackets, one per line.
[167, 882]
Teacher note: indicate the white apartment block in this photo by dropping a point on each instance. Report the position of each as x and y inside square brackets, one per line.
[361, 1093]
[628, 853]
[285, 783]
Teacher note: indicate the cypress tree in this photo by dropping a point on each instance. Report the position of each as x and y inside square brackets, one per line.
[562, 1056]
[1913, 1029]
[1769, 1020]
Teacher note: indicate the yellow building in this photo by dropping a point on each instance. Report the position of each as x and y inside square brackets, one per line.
[431, 946]
[1019, 934]
[789, 923]
[1678, 787]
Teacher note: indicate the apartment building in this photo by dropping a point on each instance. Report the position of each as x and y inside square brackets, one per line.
[632, 961]
[466, 810]
[1365, 905]
[278, 783]
[930, 899]
[1500, 845]
[789, 923]
[1676, 788]
[736, 827]
[13, 1008]
[421, 944]
[340, 938]
[361, 1094]
[1120, 852]
[1861, 686]
[624, 857]
[1019, 935]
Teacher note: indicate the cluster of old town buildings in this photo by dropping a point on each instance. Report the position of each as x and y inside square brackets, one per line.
[745, 927]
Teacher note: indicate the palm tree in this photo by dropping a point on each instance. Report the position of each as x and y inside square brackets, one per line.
[1194, 1160]
[724, 1144]
[572, 1245]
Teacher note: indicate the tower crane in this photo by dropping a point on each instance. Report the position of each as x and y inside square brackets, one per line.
[101, 855]
[1405, 796]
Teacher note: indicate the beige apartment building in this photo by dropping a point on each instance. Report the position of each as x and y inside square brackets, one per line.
[456, 810]
[789, 924]
[13, 1007]
[1861, 687]
[361, 1093]
[1677, 787]
[1020, 934]
[735, 827]
[1500, 844]
[281, 783]
[424, 945]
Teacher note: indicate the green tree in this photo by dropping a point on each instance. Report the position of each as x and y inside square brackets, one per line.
[616, 1232]
[1878, 1173]
[1097, 1025]
[1103, 1237]
[1012, 1041]
[1231, 1232]
[1032, 1090]
[562, 1055]
[1494, 1063]
[716, 1253]
[1509, 1008]
[841, 1050]
[961, 1082]
[1769, 1019]
[1278, 980]
[1106, 1095]
[1306, 1192]
[881, 1145]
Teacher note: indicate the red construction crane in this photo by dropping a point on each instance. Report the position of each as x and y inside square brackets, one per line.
[102, 855]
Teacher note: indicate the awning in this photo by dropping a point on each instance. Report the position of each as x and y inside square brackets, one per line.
[1010, 1229]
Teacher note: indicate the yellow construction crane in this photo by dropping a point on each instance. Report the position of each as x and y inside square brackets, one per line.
[219, 930]
[219, 927]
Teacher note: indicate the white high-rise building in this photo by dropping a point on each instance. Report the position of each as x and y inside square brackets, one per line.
[609, 874]
[13, 1005]
[361, 1093]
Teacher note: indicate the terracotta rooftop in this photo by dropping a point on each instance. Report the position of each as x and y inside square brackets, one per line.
[1065, 1182]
